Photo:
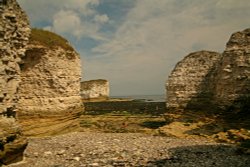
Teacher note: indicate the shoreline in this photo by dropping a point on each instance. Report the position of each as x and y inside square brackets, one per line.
[128, 149]
[135, 98]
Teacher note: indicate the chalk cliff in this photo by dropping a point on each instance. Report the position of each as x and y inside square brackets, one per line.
[208, 94]
[14, 35]
[232, 81]
[95, 89]
[189, 85]
[212, 81]
[49, 91]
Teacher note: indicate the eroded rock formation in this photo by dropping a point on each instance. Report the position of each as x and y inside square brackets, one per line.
[213, 81]
[50, 100]
[189, 85]
[14, 35]
[208, 94]
[232, 82]
[95, 89]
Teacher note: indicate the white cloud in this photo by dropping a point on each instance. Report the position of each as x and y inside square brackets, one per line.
[77, 18]
[50, 8]
[67, 22]
[156, 34]
[80, 19]
[101, 18]
[84, 7]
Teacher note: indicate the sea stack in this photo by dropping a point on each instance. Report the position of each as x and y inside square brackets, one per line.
[49, 92]
[212, 81]
[95, 89]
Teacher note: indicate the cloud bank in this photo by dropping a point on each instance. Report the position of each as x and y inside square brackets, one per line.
[156, 34]
[136, 50]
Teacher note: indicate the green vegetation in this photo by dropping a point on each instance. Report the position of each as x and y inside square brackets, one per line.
[49, 39]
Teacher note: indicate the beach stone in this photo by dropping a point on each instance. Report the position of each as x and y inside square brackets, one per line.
[155, 151]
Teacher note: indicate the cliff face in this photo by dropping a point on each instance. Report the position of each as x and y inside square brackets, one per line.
[189, 85]
[14, 34]
[49, 93]
[213, 81]
[95, 89]
[232, 81]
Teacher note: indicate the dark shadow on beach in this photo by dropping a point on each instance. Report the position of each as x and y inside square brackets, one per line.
[203, 156]
[153, 124]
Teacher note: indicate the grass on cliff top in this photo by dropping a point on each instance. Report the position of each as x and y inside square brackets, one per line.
[49, 39]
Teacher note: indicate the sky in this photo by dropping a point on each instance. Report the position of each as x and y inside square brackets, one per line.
[135, 44]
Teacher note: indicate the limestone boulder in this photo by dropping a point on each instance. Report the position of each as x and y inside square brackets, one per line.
[14, 35]
[49, 91]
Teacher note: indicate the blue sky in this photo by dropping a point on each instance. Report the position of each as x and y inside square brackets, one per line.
[136, 43]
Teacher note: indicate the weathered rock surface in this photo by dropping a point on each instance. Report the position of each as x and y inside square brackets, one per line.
[213, 81]
[50, 100]
[95, 89]
[14, 34]
[218, 88]
[232, 82]
[189, 85]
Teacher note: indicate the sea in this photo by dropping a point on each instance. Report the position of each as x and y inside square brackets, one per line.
[146, 98]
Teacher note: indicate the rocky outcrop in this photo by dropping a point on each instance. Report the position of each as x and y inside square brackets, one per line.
[189, 85]
[14, 34]
[213, 81]
[95, 89]
[50, 100]
[208, 95]
[232, 82]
